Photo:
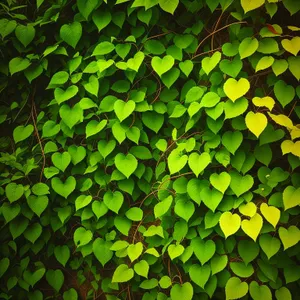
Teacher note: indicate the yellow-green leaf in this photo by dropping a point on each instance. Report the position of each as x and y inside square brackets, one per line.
[253, 226]
[230, 223]
[256, 122]
[271, 213]
[267, 101]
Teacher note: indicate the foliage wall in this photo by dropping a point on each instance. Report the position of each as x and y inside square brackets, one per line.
[149, 149]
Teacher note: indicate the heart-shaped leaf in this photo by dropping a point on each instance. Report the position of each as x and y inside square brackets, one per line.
[292, 46]
[258, 292]
[198, 162]
[211, 198]
[102, 251]
[162, 65]
[82, 236]
[55, 278]
[33, 278]
[37, 204]
[135, 62]
[61, 160]
[71, 116]
[63, 189]
[248, 209]
[236, 89]
[113, 200]
[176, 161]
[209, 63]
[200, 275]
[253, 226]
[14, 191]
[71, 33]
[175, 251]
[64, 95]
[62, 254]
[124, 109]
[269, 244]
[240, 184]
[289, 236]
[291, 197]
[204, 250]
[256, 122]
[230, 223]
[122, 274]
[10, 211]
[93, 127]
[21, 133]
[271, 213]
[235, 289]
[220, 181]
[182, 291]
[126, 164]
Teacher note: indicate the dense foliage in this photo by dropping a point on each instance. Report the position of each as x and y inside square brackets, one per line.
[149, 149]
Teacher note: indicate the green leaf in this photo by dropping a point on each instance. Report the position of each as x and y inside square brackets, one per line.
[289, 236]
[204, 250]
[200, 275]
[113, 200]
[141, 268]
[175, 251]
[197, 162]
[162, 207]
[153, 120]
[184, 209]
[14, 191]
[101, 19]
[247, 47]
[211, 198]
[293, 66]
[33, 277]
[209, 63]
[77, 154]
[169, 6]
[126, 164]
[71, 33]
[62, 254]
[231, 67]
[103, 48]
[218, 263]
[61, 160]
[291, 6]
[124, 109]
[235, 289]
[4, 264]
[248, 250]
[93, 127]
[283, 294]
[134, 251]
[240, 184]
[7, 27]
[182, 291]
[258, 292]
[71, 116]
[70, 294]
[92, 86]
[134, 214]
[21, 132]
[291, 197]
[186, 67]
[241, 269]
[25, 34]
[86, 7]
[284, 93]
[270, 245]
[232, 140]
[18, 64]
[63, 189]
[122, 274]
[64, 95]
[162, 65]
[10, 211]
[102, 251]
[176, 161]
[135, 62]
[50, 128]
[55, 278]
[220, 181]
[105, 148]
[82, 236]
